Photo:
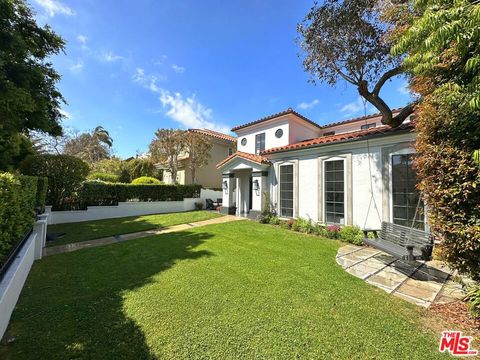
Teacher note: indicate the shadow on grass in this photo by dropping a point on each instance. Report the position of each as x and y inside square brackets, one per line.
[72, 304]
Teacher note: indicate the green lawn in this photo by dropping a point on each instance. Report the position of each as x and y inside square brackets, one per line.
[236, 290]
[89, 230]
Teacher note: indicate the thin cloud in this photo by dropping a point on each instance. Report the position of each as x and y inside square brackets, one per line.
[54, 7]
[82, 39]
[353, 108]
[404, 89]
[110, 57]
[66, 114]
[308, 105]
[178, 69]
[77, 67]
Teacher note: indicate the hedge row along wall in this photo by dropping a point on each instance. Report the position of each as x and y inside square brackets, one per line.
[18, 200]
[98, 193]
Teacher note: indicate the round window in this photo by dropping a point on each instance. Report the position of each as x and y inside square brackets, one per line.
[244, 141]
[279, 133]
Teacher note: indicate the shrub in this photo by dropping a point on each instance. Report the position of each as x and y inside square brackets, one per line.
[140, 168]
[351, 234]
[103, 177]
[18, 196]
[473, 300]
[274, 220]
[65, 175]
[146, 180]
[333, 231]
[198, 206]
[42, 188]
[320, 230]
[303, 225]
[124, 176]
[100, 193]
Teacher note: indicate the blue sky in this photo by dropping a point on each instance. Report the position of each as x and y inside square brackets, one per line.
[136, 66]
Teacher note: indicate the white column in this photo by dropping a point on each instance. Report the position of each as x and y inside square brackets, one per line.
[40, 228]
[239, 196]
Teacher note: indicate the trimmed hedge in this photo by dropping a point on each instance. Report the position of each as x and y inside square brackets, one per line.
[18, 197]
[146, 180]
[103, 177]
[96, 193]
[42, 187]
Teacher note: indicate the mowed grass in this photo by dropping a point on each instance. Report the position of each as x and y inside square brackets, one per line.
[238, 290]
[89, 230]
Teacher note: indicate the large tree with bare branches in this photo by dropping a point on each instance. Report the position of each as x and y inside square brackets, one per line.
[350, 40]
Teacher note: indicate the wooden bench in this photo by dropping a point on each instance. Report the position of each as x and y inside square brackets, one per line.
[401, 242]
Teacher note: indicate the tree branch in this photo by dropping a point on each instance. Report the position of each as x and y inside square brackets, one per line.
[386, 76]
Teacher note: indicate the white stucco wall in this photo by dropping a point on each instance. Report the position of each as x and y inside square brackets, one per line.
[269, 128]
[309, 175]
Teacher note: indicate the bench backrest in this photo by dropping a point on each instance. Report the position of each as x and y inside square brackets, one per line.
[405, 236]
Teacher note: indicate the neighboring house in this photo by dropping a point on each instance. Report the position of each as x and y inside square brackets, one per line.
[208, 175]
[353, 172]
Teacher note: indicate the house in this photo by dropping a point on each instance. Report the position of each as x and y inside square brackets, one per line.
[352, 172]
[208, 175]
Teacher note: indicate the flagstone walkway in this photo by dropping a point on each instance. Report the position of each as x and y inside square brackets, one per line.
[59, 249]
[419, 282]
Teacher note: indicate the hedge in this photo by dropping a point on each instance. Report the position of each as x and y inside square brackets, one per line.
[103, 177]
[18, 197]
[42, 187]
[98, 193]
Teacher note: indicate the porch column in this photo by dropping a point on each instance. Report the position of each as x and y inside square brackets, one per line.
[259, 192]
[228, 181]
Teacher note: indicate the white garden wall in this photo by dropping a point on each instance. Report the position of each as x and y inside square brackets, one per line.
[12, 283]
[133, 208]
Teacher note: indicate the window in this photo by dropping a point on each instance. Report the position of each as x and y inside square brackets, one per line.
[230, 151]
[244, 141]
[334, 192]
[259, 143]
[286, 190]
[279, 133]
[329, 133]
[368, 126]
[405, 196]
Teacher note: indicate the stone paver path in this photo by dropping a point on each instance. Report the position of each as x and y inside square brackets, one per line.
[59, 249]
[418, 282]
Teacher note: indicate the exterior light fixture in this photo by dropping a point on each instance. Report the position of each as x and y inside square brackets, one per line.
[255, 185]
[225, 185]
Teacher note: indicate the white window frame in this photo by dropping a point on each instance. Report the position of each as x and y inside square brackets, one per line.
[407, 151]
[345, 195]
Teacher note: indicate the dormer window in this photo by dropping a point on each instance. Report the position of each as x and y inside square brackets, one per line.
[259, 143]
[368, 126]
[244, 141]
[279, 133]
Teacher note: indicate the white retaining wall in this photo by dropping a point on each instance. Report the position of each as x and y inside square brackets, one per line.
[133, 208]
[12, 283]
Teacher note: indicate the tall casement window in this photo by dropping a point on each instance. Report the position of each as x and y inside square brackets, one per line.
[335, 191]
[286, 190]
[259, 143]
[405, 196]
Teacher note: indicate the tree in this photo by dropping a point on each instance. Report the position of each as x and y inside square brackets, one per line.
[198, 148]
[29, 99]
[350, 40]
[140, 167]
[443, 57]
[91, 146]
[166, 148]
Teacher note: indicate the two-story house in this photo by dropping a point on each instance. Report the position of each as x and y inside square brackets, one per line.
[208, 175]
[353, 172]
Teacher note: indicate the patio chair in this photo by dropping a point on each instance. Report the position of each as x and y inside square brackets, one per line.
[210, 205]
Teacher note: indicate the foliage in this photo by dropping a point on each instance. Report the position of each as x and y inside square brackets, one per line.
[113, 165]
[29, 99]
[274, 220]
[303, 226]
[18, 196]
[198, 148]
[124, 176]
[146, 180]
[333, 231]
[349, 40]
[65, 175]
[103, 177]
[100, 193]
[351, 234]
[41, 198]
[166, 148]
[198, 206]
[140, 167]
[91, 146]
[442, 55]
[89, 230]
[473, 300]
[253, 292]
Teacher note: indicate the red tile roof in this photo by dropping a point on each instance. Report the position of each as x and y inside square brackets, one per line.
[215, 134]
[366, 117]
[349, 136]
[285, 112]
[251, 157]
